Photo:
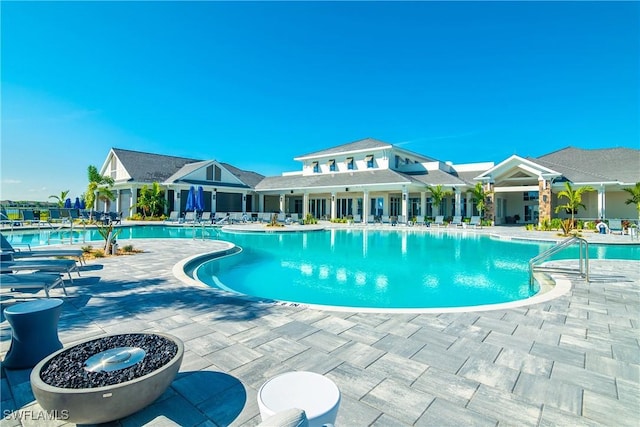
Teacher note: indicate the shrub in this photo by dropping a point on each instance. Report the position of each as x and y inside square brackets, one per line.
[309, 219]
[99, 253]
[127, 248]
[87, 249]
[556, 224]
[545, 225]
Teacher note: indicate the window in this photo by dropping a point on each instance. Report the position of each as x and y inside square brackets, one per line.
[332, 165]
[218, 174]
[397, 161]
[210, 173]
[369, 160]
[407, 161]
[350, 163]
[316, 167]
[530, 195]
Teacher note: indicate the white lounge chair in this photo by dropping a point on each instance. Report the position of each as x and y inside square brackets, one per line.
[456, 221]
[44, 265]
[206, 217]
[190, 217]
[475, 221]
[6, 247]
[32, 281]
[439, 221]
[174, 216]
[615, 226]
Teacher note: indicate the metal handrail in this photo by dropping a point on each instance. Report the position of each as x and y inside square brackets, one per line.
[583, 254]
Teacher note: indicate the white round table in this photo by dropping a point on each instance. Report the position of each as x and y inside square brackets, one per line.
[316, 394]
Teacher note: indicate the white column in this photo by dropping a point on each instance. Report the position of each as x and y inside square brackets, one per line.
[405, 203]
[282, 199]
[423, 203]
[333, 206]
[469, 204]
[134, 198]
[244, 202]
[601, 202]
[261, 203]
[365, 206]
[305, 204]
[214, 202]
[458, 199]
[118, 200]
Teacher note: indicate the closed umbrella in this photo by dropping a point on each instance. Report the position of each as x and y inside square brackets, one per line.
[200, 199]
[76, 205]
[67, 204]
[190, 206]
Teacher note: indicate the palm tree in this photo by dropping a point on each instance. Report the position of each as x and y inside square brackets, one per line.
[151, 200]
[96, 184]
[61, 198]
[480, 196]
[574, 199]
[635, 197]
[438, 195]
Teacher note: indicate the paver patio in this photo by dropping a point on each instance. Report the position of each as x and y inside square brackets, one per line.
[574, 360]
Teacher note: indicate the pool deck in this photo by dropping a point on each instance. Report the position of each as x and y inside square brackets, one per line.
[574, 360]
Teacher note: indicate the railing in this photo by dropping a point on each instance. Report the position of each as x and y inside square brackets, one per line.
[583, 268]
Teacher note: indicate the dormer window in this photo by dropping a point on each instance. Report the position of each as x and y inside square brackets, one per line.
[350, 163]
[332, 165]
[369, 160]
[316, 167]
[214, 173]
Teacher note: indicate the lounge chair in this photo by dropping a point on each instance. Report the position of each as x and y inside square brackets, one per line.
[475, 221]
[174, 216]
[265, 217]
[385, 219]
[44, 265]
[6, 247]
[456, 221]
[32, 281]
[115, 217]
[282, 217]
[206, 217]
[29, 216]
[190, 217]
[439, 221]
[293, 219]
[615, 226]
[357, 219]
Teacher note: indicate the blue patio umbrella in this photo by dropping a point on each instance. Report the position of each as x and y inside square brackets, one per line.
[76, 204]
[67, 204]
[200, 199]
[82, 205]
[191, 202]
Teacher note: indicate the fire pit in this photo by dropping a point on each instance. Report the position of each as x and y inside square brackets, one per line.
[108, 378]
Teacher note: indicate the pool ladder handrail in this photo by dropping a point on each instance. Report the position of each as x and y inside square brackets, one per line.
[583, 260]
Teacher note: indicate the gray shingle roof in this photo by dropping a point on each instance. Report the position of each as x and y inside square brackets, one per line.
[248, 177]
[148, 167]
[598, 165]
[358, 178]
[363, 144]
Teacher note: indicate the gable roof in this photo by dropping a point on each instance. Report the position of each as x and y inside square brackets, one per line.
[596, 165]
[148, 167]
[356, 146]
[250, 178]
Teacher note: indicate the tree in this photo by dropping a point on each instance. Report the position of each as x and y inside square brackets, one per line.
[635, 197]
[97, 185]
[479, 195]
[61, 198]
[438, 195]
[151, 200]
[574, 199]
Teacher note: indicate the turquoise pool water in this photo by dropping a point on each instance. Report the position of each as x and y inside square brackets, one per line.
[361, 268]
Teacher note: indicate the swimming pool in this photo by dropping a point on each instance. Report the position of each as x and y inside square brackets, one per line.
[362, 268]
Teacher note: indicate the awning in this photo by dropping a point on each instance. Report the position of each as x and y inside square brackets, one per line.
[331, 162]
[368, 158]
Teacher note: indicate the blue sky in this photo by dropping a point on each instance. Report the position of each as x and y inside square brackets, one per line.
[257, 84]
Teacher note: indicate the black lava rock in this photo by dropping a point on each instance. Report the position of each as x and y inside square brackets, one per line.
[66, 370]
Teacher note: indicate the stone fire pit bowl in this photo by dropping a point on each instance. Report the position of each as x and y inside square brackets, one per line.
[107, 378]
